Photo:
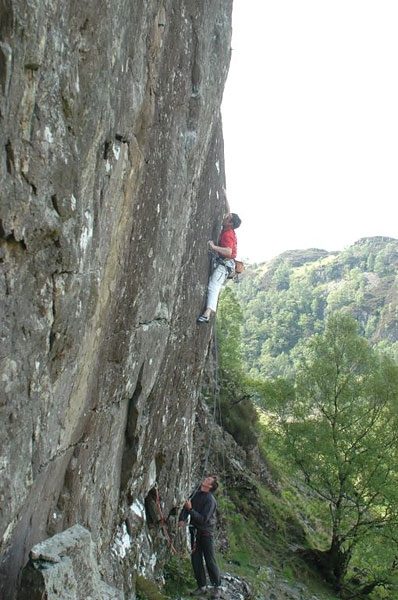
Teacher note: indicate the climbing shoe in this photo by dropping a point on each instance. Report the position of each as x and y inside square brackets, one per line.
[203, 319]
[199, 592]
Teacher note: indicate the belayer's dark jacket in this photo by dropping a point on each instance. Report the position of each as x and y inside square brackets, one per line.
[203, 512]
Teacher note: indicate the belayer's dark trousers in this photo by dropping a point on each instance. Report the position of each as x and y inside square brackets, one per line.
[203, 550]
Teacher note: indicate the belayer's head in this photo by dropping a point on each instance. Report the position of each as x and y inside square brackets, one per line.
[209, 484]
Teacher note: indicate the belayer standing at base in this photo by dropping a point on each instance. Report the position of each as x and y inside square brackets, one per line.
[226, 252]
[201, 509]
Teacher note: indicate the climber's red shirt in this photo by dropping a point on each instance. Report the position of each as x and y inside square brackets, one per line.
[228, 239]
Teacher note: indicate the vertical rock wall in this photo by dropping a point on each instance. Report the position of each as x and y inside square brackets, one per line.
[111, 160]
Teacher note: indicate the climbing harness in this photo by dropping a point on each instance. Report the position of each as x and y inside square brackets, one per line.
[234, 267]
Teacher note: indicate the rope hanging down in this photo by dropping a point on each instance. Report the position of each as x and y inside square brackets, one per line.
[164, 524]
[216, 398]
[216, 405]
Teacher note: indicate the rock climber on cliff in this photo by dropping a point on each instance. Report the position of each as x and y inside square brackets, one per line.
[225, 252]
[201, 510]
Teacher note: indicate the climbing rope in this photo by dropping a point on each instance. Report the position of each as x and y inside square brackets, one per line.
[164, 524]
[172, 548]
[217, 399]
[216, 390]
[216, 407]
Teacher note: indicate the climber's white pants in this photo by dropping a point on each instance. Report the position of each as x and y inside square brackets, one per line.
[216, 282]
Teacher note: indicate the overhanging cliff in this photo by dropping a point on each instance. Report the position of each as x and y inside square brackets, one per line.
[111, 166]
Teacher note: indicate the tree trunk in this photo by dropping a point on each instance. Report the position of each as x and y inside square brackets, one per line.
[332, 563]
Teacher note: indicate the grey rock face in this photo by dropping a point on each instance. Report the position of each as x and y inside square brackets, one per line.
[65, 566]
[111, 162]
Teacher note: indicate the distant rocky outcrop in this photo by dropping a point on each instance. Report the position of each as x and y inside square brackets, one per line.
[111, 166]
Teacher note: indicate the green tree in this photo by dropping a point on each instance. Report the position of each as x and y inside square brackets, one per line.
[237, 412]
[341, 431]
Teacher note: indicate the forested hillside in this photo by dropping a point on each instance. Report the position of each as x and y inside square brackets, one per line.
[308, 372]
[286, 300]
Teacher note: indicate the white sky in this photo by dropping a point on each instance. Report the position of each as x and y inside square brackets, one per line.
[310, 115]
